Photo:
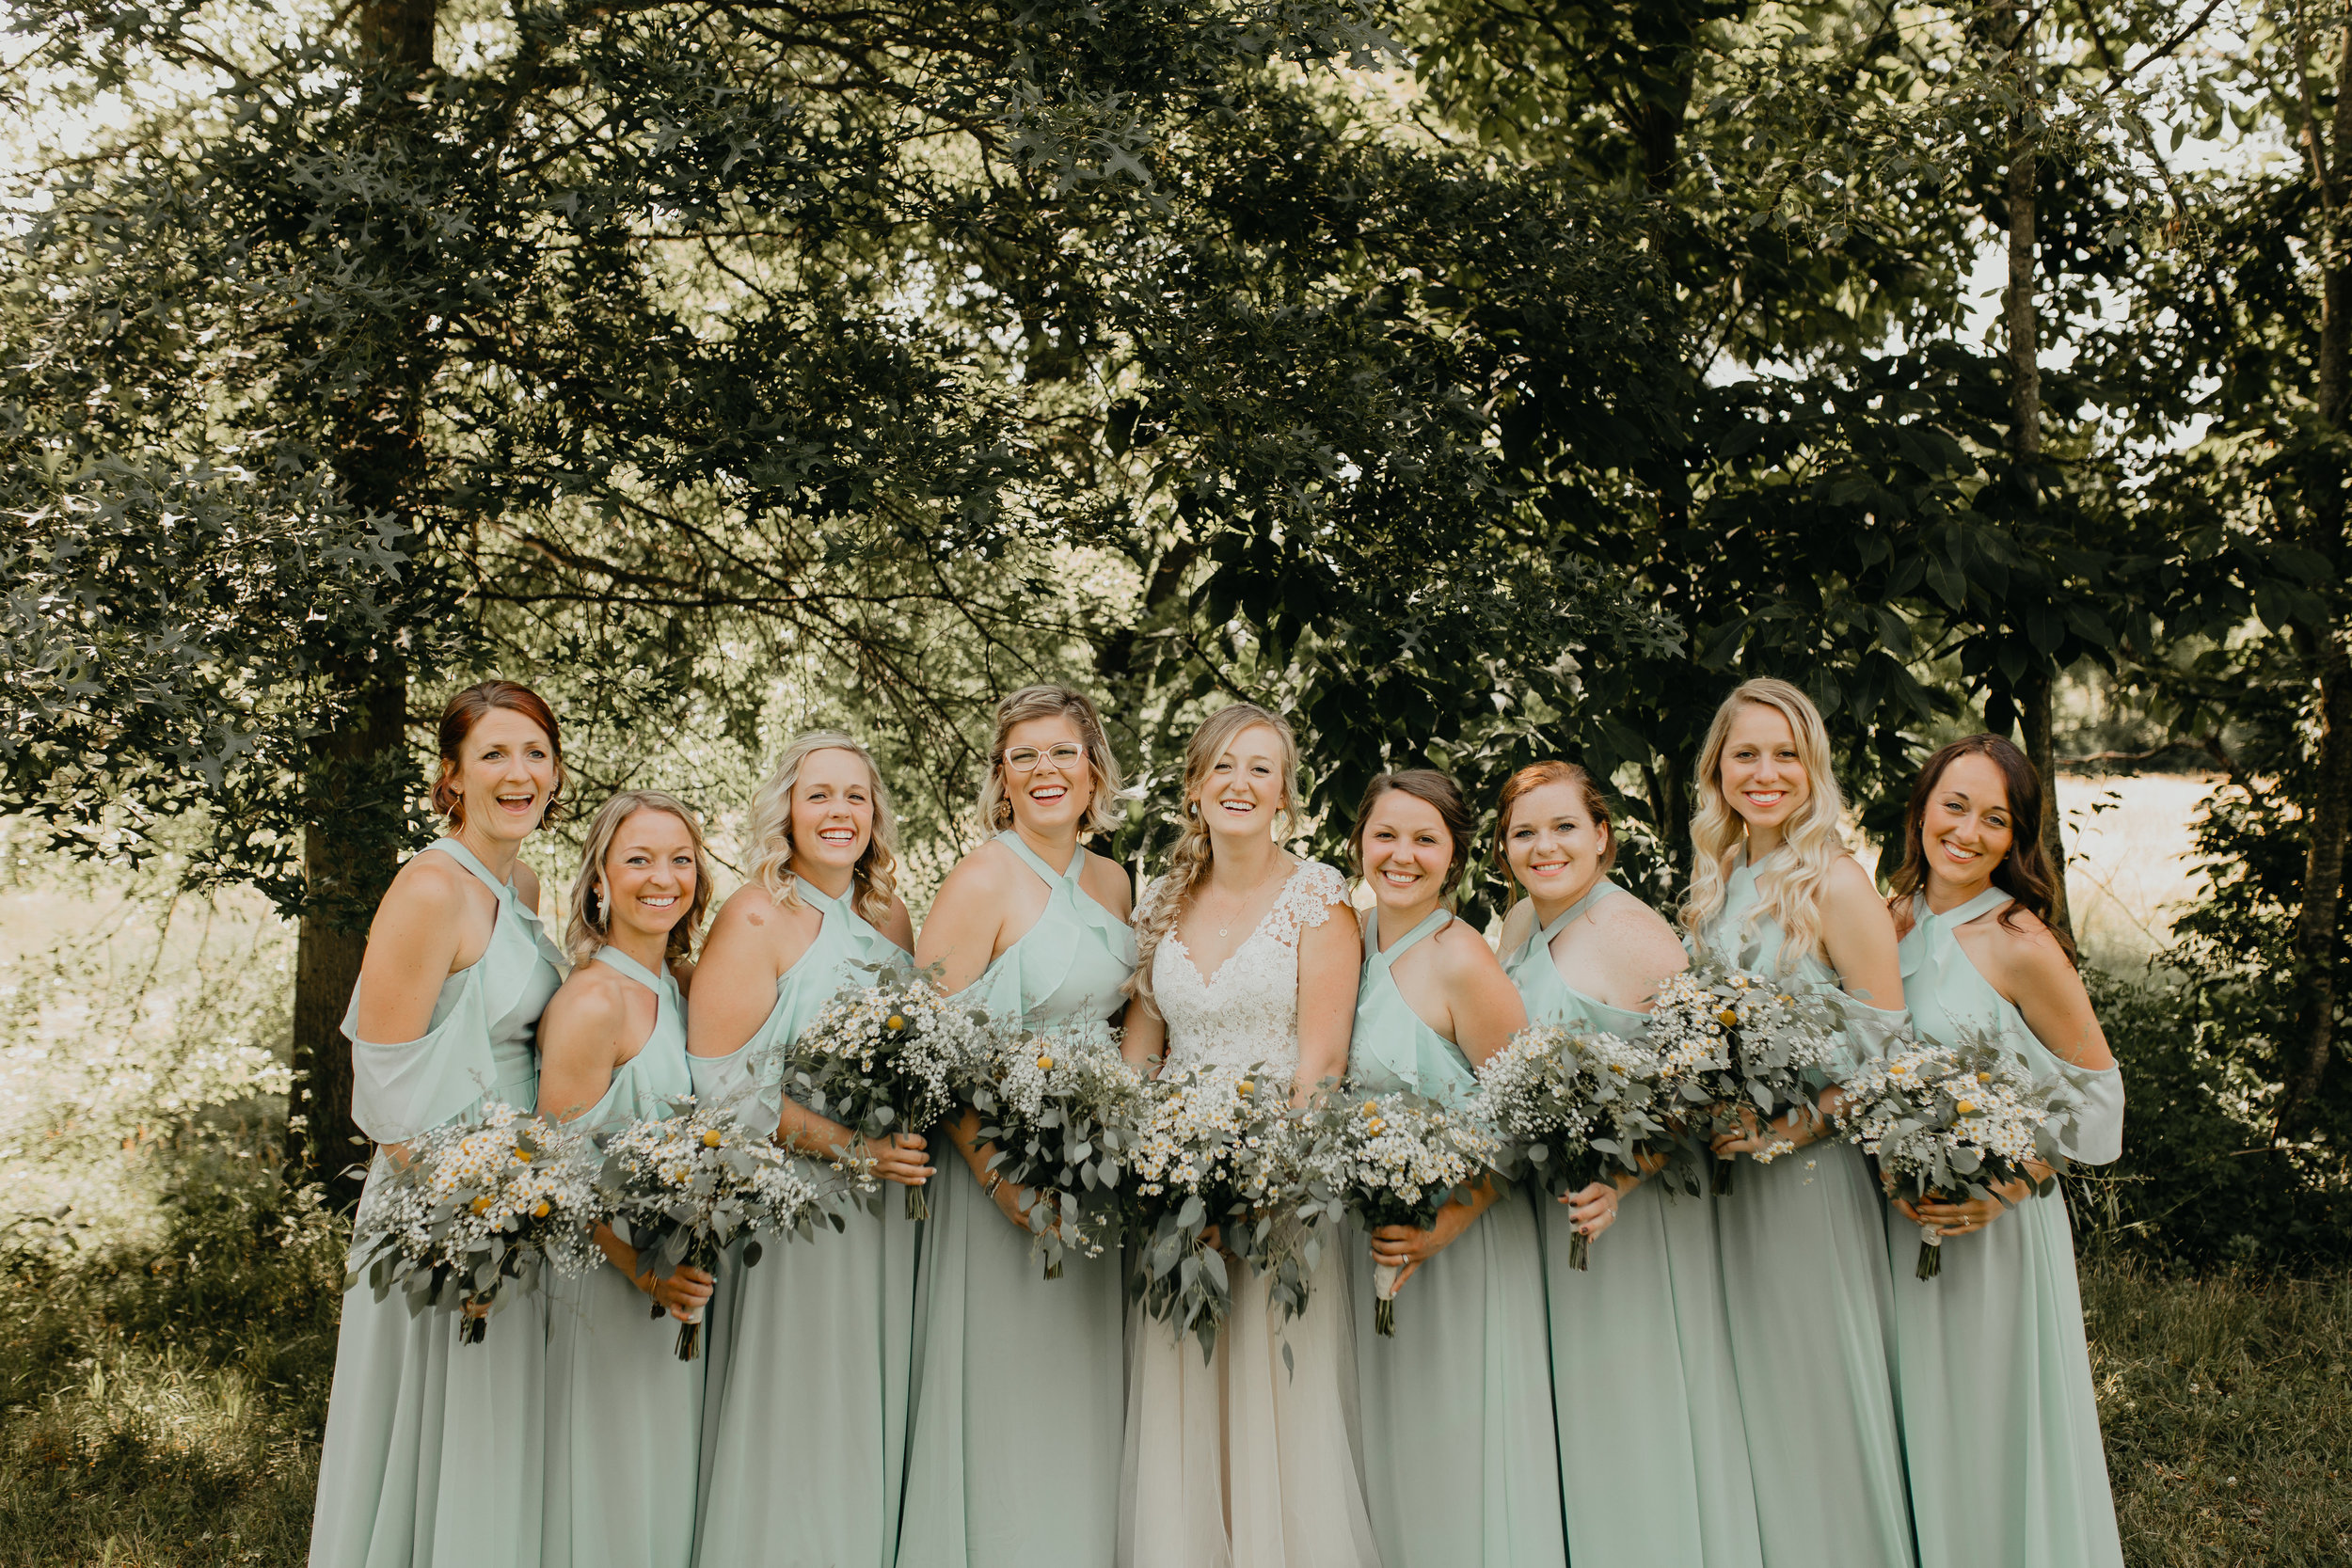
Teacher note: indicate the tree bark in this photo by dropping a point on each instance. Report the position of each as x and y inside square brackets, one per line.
[2033, 694]
[2316, 927]
[350, 845]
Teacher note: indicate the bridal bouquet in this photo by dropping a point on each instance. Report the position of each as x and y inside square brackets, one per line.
[1396, 1159]
[1741, 1048]
[473, 1212]
[1065, 1113]
[1571, 1107]
[680, 1188]
[1208, 1152]
[1954, 1122]
[882, 1059]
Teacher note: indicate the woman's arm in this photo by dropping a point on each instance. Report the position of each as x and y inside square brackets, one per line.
[418, 939]
[1859, 936]
[1330, 964]
[962, 933]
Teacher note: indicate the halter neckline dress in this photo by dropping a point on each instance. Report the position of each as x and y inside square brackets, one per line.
[1461, 1460]
[1653, 1457]
[2000, 1422]
[804, 1412]
[1803, 1241]
[1019, 1381]
[434, 1449]
[623, 1413]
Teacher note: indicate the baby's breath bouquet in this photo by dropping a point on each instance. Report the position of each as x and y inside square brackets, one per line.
[1571, 1107]
[1739, 1048]
[1396, 1159]
[1208, 1152]
[882, 1059]
[680, 1188]
[1953, 1122]
[1065, 1112]
[470, 1212]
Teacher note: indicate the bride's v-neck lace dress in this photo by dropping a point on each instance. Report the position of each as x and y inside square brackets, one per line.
[1239, 1461]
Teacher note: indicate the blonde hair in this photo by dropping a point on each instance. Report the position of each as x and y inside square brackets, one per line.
[1188, 863]
[590, 923]
[873, 879]
[1104, 812]
[1789, 888]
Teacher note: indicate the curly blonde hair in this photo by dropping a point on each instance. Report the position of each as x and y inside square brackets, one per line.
[1189, 862]
[875, 878]
[591, 922]
[1789, 888]
[1106, 810]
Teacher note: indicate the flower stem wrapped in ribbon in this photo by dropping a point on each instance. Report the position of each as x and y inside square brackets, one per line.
[1738, 1049]
[1208, 1152]
[471, 1211]
[1571, 1107]
[1396, 1159]
[1064, 1112]
[679, 1189]
[882, 1059]
[1957, 1121]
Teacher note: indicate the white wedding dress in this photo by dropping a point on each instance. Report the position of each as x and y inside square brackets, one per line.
[1239, 1461]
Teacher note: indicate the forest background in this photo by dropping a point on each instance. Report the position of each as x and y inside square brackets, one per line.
[1475, 380]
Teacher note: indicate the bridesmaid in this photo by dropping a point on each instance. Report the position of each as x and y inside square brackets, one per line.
[804, 1424]
[1017, 1378]
[1461, 1464]
[433, 1451]
[1802, 1238]
[2000, 1426]
[1653, 1463]
[623, 1413]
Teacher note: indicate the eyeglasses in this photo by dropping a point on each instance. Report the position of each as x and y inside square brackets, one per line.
[1023, 759]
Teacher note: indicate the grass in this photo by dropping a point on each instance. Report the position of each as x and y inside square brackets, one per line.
[163, 1405]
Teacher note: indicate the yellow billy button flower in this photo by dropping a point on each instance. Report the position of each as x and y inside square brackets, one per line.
[539, 1210]
[1984, 1078]
[481, 1205]
[1045, 1064]
[1966, 1107]
[1727, 1018]
[711, 1138]
[1246, 1087]
[895, 1021]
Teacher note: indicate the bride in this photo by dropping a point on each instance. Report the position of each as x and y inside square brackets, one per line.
[1241, 1462]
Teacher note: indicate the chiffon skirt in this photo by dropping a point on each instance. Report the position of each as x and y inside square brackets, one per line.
[433, 1454]
[1461, 1461]
[2000, 1426]
[1014, 1434]
[624, 1423]
[1804, 1248]
[804, 1412]
[1241, 1460]
[1653, 1458]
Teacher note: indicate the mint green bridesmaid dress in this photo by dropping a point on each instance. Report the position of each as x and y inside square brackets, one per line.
[2000, 1425]
[1804, 1248]
[1653, 1458]
[1461, 1461]
[1020, 1382]
[434, 1449]
[804, 1417]
[623, 1413]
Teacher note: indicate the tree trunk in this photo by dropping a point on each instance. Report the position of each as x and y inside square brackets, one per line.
[2034, 719]
[346, 871]
[2316, 925]
[2033, 694]
[359, 768]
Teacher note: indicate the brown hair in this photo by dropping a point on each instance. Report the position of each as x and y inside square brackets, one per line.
[469, 707]
[1188, 863]
[1433, 788]
[2024, 873]
[591, 922]
[1107, 809]
[1541, 775]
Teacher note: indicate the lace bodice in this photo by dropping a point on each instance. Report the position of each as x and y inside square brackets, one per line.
[1247, 1013]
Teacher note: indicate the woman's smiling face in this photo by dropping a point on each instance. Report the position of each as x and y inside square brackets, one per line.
[1968, 828]
[1407, 851]
[1553, 846]
[1243, 790]
[833, 810]
[1760, 774]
